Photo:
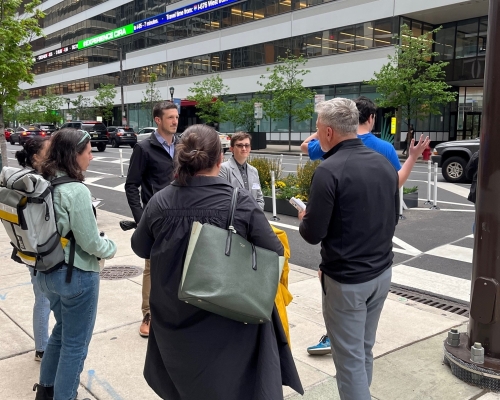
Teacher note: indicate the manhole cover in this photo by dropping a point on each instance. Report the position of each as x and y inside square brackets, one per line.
[115, 272]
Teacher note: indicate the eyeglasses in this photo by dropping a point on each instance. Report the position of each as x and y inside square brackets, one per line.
[241, 146]
[85, 136]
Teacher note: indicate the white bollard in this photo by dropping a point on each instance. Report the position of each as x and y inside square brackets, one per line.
[435, 196]
[401, 203]
[273, 190]
[300, 160]
[280, 163]
[429, 180]
[121, 162]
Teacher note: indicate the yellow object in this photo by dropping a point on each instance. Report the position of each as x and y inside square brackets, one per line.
[393, 125]
[283, 296]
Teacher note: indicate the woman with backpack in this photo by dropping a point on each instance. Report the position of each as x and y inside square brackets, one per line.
[31, 157]
[72, 292]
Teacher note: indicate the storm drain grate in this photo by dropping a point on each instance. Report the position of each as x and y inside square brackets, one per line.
[447, 305]
[116, 272]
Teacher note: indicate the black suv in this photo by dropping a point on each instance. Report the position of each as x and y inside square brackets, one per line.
[453, 157]
[97, 131]
[119, 135]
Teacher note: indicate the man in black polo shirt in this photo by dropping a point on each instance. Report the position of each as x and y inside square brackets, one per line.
[353, 211]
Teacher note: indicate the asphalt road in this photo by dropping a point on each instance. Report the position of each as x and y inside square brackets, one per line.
[431, 247]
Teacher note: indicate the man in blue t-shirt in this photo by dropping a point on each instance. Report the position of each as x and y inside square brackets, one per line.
[367, 111]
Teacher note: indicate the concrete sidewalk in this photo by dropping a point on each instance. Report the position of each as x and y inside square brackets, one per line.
[408, 349]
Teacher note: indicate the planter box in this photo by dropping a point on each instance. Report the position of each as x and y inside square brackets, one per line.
[411, 200]
[283, 207]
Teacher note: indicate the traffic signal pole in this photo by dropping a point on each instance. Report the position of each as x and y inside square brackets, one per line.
[475, 356]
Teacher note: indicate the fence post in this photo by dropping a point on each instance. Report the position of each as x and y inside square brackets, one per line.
[121, 162]
[401, 202]
[429, 179]
[435, 196]
[273, 189]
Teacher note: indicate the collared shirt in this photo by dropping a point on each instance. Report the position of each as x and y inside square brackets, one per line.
[170, 149]
[243, 172]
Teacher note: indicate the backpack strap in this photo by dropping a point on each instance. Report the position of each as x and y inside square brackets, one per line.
[72, 243]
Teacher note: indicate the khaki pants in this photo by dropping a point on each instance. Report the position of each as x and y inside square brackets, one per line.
[146, 287]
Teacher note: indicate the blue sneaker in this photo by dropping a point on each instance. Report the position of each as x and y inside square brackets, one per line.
[322, 348]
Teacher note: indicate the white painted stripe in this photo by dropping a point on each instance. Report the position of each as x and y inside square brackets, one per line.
[442, 209]
[102, 173]
[433, 282]
[118, 162]
[450, 187]
[93, 179]
[451, 202]
[470, 236]
[452, 252]
[409, 249]
[106, 187]
[295, 228]
[120, 187]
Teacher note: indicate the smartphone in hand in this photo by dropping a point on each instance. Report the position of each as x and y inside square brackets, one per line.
[298, 204]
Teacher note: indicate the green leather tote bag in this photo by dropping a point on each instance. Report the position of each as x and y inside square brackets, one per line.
[227, 275]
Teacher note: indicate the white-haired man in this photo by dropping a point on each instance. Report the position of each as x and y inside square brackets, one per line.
[356, 241]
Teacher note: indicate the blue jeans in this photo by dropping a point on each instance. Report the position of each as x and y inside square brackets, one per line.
[75, 307]
[41, 312]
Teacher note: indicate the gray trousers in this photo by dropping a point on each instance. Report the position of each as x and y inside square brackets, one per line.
[351, 314]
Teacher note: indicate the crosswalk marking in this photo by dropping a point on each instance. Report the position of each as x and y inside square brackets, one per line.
[407, 248]
[433, 282]
[452, 252]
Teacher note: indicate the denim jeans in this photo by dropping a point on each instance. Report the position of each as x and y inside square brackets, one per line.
[41, 312]
[75, 306]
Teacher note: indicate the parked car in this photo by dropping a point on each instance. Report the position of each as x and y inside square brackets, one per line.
[8, 132]
[453, 157]
[144, 133]
[97, 130]
[225, 141]
[46, 127]
[23, 133]
[119, 135]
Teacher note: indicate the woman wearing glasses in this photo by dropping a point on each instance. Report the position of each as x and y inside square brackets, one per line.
[74, 303]
[238, 172]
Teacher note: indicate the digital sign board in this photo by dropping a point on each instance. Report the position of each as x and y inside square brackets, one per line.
[181, 13]
[106, 36]
[55, 53]
[168, 17]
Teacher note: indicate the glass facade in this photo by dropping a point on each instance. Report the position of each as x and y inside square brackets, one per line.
[317, 44]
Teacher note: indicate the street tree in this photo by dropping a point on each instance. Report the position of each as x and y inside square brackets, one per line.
[29, 111]
[208, 94]
[241, 114]
[410, 81]
[83, 108]
[104, 101]
[151, 96]
[50, 105]
[16, 57]
[284, 95]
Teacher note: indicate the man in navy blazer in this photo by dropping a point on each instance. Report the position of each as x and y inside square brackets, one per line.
[238, 171]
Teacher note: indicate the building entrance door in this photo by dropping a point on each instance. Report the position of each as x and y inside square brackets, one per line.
[471, 126]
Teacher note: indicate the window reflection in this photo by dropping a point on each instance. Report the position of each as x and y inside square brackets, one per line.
[467, 36]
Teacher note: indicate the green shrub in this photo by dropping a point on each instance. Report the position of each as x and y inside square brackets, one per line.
[410, 190]
[264, 167]
[304, 177]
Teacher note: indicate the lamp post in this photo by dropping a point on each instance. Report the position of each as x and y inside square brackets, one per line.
[68, 100]
[172, 93]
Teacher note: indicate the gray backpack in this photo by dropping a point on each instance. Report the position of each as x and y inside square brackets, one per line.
[27, 213]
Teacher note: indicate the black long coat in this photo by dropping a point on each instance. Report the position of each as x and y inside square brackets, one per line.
[193, 354]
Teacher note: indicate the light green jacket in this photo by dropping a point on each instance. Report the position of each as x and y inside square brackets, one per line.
[73, 209]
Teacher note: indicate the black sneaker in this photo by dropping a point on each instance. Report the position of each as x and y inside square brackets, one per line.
[38, 356]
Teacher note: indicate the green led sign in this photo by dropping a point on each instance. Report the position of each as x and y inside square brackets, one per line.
[106, 36]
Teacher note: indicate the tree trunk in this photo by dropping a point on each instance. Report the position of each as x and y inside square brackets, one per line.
[290, 127]
[3, 144]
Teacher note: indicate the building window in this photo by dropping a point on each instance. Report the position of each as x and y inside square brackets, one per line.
[445, 43]
[467, 35]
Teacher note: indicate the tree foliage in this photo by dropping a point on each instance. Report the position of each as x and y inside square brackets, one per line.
[28, 111]
[284, 94]
[410, 81]
[104, 101]
[82, 108]
[241, 114]
[50, 104]
[151, 96]
[16, 57]
[208, 95]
